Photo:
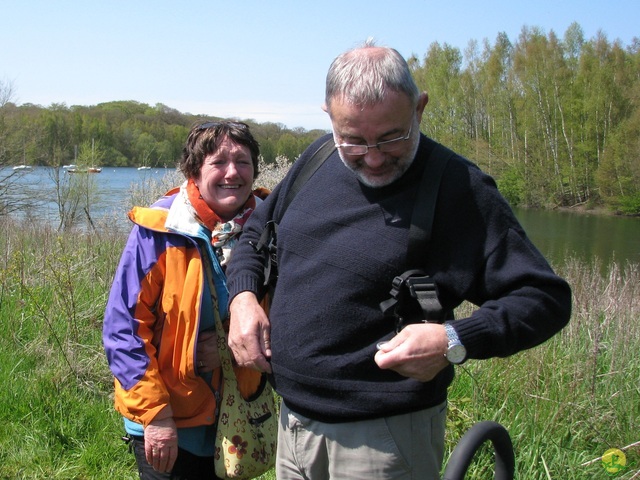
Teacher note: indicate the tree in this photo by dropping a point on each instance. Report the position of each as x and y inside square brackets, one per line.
[10, 200]
[6, 95]
[76, 193]
[287, 147]
[144, 148]
[440, 77]
[555, 119]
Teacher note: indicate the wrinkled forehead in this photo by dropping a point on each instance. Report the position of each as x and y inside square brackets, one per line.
[395, 108]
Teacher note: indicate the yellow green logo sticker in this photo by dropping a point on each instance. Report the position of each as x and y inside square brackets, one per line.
[614, 461]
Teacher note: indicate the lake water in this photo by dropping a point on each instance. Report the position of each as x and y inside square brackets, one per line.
[111, 189]
[557, 234]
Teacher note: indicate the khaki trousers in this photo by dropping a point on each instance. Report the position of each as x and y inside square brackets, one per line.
[403, 447]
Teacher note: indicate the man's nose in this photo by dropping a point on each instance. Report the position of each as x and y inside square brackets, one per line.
[374, 157]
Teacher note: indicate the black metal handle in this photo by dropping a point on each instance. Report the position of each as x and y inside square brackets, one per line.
[470, 443]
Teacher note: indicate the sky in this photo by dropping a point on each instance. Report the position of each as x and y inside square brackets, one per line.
[260, 60]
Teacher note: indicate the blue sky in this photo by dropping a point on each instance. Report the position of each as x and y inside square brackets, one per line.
[264, 60]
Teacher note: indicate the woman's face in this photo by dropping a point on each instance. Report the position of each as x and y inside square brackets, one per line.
[226, 178]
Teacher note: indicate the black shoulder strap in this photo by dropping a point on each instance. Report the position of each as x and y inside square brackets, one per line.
[425, 204]
[317, 159]
[267, 243]
[415, 283]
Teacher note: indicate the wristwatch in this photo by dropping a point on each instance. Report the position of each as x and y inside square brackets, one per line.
[456, 353]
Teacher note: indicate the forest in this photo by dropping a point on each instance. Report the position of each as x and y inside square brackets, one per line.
[555, 120]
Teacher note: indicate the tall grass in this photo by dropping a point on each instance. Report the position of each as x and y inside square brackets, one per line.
[568, 401]
[564, 403]
[56, 414]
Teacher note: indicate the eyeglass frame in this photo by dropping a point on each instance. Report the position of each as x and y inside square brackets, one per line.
[375, 145]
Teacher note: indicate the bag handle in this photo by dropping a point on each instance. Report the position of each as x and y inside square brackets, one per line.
[223, 349]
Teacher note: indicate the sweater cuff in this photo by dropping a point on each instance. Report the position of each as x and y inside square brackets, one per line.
[472, 335]
[243, 284]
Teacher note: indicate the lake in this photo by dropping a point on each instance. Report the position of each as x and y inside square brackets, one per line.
[557, 234]
[111, 188]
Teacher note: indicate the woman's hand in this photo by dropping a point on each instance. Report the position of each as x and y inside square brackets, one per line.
[250, 333]
[207, 357]
[161, 444]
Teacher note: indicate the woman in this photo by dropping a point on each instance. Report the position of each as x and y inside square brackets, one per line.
[159, 333]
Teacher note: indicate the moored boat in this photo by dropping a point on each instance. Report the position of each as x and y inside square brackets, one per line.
[84, 170]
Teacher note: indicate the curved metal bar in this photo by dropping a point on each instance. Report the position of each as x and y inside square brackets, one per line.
[470, 443]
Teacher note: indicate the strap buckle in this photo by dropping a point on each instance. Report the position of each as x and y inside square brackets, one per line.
[414, 299]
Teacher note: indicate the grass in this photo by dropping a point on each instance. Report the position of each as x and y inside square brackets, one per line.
[564, 403]
[568, 401]
[56, 413]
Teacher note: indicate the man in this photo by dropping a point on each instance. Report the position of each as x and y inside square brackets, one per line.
[351, 410]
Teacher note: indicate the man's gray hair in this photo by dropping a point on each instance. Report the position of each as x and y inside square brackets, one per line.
[366, 74]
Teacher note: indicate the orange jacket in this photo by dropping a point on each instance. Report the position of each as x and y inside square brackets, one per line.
[152, 318]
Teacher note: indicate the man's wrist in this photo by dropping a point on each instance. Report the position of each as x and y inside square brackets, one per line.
[456, 352]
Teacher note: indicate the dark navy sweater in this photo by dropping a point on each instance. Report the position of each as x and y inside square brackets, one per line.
[341, 243]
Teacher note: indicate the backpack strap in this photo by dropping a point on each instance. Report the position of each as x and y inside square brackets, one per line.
[413, 298]
[267, 244]
[317, 159]
[425, 205]
[414, 284]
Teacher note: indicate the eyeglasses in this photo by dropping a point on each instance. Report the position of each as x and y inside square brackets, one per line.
[206, 125]
[387, 146]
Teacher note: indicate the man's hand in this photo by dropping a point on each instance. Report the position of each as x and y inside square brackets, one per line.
[418, 351]
[161, 444]
[249, 333]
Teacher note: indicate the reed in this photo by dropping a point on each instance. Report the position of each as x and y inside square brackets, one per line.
[569, 400]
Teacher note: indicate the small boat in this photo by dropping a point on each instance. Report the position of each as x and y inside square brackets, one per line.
[144, 167]
[23, 167]
[84, 170]
[75, 169]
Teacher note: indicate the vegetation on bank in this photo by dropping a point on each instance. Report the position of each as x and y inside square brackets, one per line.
[122, 133]
[564, 403]
[555, 120]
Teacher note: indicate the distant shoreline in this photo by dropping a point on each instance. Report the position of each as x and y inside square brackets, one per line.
[601, 211]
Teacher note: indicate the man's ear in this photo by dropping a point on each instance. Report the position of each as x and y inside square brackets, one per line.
[423, 99]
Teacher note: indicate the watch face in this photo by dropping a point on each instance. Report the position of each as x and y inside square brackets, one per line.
[456, 354]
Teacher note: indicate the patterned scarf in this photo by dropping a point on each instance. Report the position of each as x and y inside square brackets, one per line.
[224, 235]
